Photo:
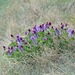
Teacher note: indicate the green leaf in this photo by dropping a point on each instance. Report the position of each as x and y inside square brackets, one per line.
[65, 42]
[31, 34]
[39, 39]
[59, 37]
[40, 33]
[72, 38]
[52, 30]
[10, 45]
[27, 37]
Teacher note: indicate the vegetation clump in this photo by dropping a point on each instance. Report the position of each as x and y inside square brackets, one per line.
[39, 36]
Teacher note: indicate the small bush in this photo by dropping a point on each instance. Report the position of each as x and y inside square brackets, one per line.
[41, 35]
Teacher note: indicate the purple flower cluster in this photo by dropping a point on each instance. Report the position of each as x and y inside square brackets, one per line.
[10, 50]
[62, 26]
[36, 29]
[20, 47]
[19, 40]
[41, 28]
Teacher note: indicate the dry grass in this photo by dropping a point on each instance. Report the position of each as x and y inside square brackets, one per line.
[19, 15]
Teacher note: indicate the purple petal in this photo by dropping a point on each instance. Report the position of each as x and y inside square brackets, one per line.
[4, 47]
[58, 32]
[20, 47]
[66, 25]
[62, 26]
[18, 38]
[29, 30]
[49, 23]
[56, 29]
[69, 30]
[25, 42]
[72, 32]
[44, 38]
[33, 38]
[14, 49]
[48, 33]
[52, 27]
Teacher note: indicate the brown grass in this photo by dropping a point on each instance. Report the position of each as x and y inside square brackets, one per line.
[17, 17]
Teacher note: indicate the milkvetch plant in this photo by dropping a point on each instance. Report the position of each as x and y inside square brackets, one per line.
[40, 35]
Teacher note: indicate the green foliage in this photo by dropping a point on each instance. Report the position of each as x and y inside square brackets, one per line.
[45, 38]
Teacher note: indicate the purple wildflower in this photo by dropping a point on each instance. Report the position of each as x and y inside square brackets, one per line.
[44, 39]
[44, 34]
[21, 38]
[62, 26]
[52, 27]
[4, 47]
[33, 38]
[34, 32]
[18, 38]
[49, 23]
[46, 25]
[38, 29]
[13, 49]
[56, 29]
[70, 32]
[66, 25]
[41, 28]
[25, 42]
[9, 48]
[34, 28]
[8, 52]
[20, 47]
[29, 30]
[42, 25]
[48, 33]
[12, 36]
[58, 32]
